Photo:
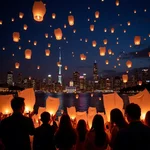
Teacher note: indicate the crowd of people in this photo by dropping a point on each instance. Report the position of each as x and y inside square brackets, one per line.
[126, 132]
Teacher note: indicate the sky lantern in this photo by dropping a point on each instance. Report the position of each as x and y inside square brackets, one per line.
[140, 83]
[125, 78]
[66, 68]
[53, 16]
[105, 41]
[129, 64]
[94, 43]
[77, 96]
[124, 31]
[134, 11]
[3, 48]
[128, 23]
[109, 51]
[21, 15]
[28, 54]
[12, 19]
[19, 47]
[16, 36]
[92, 27]
[74, 31]
[58, 34]
[65, 26]
[117, 2]
[102, 51]
[35, 43]
[47, 52]
[17, 65]
[82, 57]
[46, 35]
[105, 30]
[49, 45]
[71, 20]
[38, 11]
[86, 40]
[106, 62]
[38, 67]
[59, 64]
[118, 59]
[1, 22]
[112, 30]
[137, 40]
[97, 14]
[148, 54]
[25, 27]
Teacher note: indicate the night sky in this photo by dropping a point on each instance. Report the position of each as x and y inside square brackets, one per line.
[140, 26]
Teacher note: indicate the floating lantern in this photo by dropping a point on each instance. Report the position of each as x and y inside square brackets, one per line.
[109, 51]
[28, 54]
[66, 68]
[71, 112]
[46, 35]
[35, 43]
[118, 59]
[1, 22]
[92, 27]
[134, 11]
[53, 15]
[58, 34]
[112, 30]
[92, 94]
[21, 15]
[19, 47]
[65, 26]
[82, 57]
[86, 40]
[12, 19]
[105, 41]
[49, 45]
[47, 52]
[16, 36]
[113, 53]
[77, 96]
[140, 83]
[107, 62]
[38, 67]
[38, 11]
[125, 78]
[128, 23]
[102, 51]
[124, 31]
[129, 64]
[137, 40]
[71, 20]
[94, 43]
[74, 31]
[17, 65]
[97, 14]
[149, 54]
[3, 48]
[117, 2]
[105, 30]
[25, 27]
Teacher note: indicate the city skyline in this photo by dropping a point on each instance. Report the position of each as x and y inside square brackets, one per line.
[121, 42]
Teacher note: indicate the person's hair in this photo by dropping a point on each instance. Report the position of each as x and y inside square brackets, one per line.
[116, 117]
[147, 118]
[133, 111]
[17, 103]
[98, 128]
[45, 117]
[82, 130]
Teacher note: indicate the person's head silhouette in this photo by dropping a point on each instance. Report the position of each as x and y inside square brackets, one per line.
[133, 112]
[18, 105]
[45, 117]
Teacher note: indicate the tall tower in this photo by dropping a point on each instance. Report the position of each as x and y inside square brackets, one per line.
[60, 66]
[95, 71]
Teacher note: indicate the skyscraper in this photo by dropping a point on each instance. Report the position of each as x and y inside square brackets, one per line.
[60, 66]
[10, 78]
[95, 72]
[76, 80]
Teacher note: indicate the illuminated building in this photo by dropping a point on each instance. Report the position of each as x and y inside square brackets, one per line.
[10, 78]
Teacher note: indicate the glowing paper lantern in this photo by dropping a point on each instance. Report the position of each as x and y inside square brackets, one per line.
[58, 34]
[134, 11]
[97, 14]
[25, 27]
[92, 94]
[53, 15]
[107, 62]
[125, 78]
[102, 51]
[71, 20]
[66, 68]
[140, 83]
[77, 96]
[112, 30]
[21, 15]
[81, 116]
[52, 105]
[38, 67]
[46, 35]
[16, 36]
[12, 19]
[94, 43]
[82, 57]
[58, 64]
[92, 27]
[71, 112]
[128, 23]
[124, 31]
[105, 30]
[17, 65]
[86, 40]
[105, 41]
[28, 54]
[129, 64]
[49, 45]
[35, 43]
[117, 2]
[1, 22]
[109, 51]
[38, 11]
[74, 31]
[149, 54]
[65, 26]
[47, 52]
[137, 40]
[91, 113]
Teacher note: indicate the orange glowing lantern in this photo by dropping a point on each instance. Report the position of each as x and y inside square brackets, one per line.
[129, 64]
[92, 94]
[105, 30]
[47, 52]
[82, 57]
[35, 43]
[117, 2]
[109, 51]
[17, 65]
[94, 43]
[53, 16]
[19, 47]
[38, 67]
[92, 27]
[21, 15]
[16, 36]
[71, 20]
[58, 64]
[28, 54]
[140, 83]
[65, 26]
[58, 34]
[38, 11]
[49, 45]
[112, 30]
[128, 23]
[66, 68]
[74, 31]
[77, 96]
[102, 51]
[46, 35]
[86, 40]
[149, 54]
[12, 19]
[137, 40]
[1, 22]
[125, 78]
[25, 27]
[107, 62]
[105, 41]
[97, 14]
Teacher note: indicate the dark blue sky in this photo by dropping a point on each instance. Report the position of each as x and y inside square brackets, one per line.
[140, 25]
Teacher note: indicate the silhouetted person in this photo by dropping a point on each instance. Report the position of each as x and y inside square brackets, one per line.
[117, 123]
[65, 137]
[97, 138]
[136, 136]
[81, 134]
[44, 135]
[15, 130]
[147, 118]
